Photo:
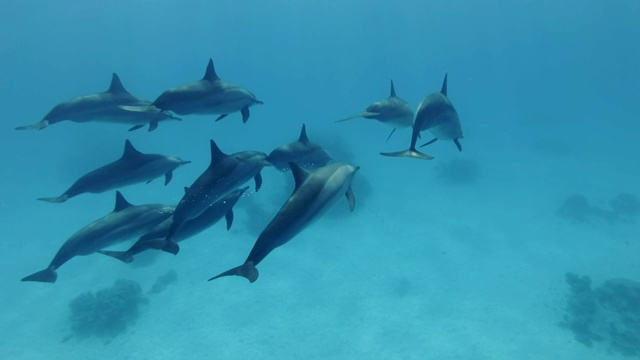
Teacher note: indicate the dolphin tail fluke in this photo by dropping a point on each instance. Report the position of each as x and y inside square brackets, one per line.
[56, 200]
[38, 126]
[412, 153]
[124, 256]
[246, 270]
[47, 275]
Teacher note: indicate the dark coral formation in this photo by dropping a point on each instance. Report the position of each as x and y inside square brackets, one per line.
[459, 171]
[609, 314]
[108, 312]
[624, 207]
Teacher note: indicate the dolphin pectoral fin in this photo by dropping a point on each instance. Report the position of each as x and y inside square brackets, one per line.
[412, 153]
[429, 142]
[457, 142]
[258, 180]
[351, 198]
[148, 181]
[47, 275]
[38, 126]
[246, 270]
[136, 127]
[392, 131]
[124, 256]
[56, 200]
[229, 217]
[221, 117]
[153, 125]
[170, 246]
[167, 177]
[245, 114]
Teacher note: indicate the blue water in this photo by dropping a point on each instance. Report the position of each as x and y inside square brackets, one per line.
[547, 94]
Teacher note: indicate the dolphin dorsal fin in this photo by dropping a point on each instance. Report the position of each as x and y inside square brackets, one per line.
[303, 135]
[299, 174]
[444, 85]
[121, 202]
[116, 85]
[210, 74]
[216, 154]
[393, 90]
[129, 150]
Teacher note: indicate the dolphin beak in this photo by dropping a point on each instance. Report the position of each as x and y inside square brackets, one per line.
[185, 162]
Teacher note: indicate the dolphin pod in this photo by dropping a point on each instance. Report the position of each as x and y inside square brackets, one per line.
[319, 184]
[315, 193]
[133, 167]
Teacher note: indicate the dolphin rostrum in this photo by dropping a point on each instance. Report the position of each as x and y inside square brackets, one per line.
[224, 174]
[302, 152]
[154, 239]
[436, 114]
[109, 106]
[133, 167]
[124, 222]
[315, 194]
[209, 95]
[392, 111]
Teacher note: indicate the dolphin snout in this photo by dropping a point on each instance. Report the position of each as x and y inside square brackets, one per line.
[185, 162]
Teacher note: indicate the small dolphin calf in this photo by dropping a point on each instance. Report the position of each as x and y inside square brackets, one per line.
[105, 107]
[225, 173]
[392, 111]
[302, 152]
[133, 167]
[436, 114]
[315, 194]
[154, 239]
[124, 222]
[209, 95]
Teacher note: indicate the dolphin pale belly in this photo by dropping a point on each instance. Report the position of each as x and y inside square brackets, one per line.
[133, 167]
[209, 95]
[154, 239]
[124, 222]
[315, 193]
[303, 152]
[436, 114]
[224, 174]
[104, 107]
[393, 111]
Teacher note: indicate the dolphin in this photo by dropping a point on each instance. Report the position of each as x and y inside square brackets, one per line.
[133, 167]
[392, 111]
[154, 239]
[108, 106]
[209, 95]
[315, 194]
[303, 152]
[124, 222]
[436, 114]
[224, 174]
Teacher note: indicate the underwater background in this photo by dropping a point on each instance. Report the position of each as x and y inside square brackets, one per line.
[479, 254]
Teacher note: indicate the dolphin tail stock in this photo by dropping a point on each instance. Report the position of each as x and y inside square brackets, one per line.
[124, 256]
[246, 270]
[56, 199]
[37, 126]
[47, 275]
